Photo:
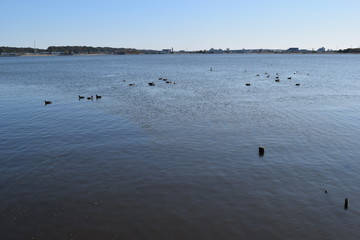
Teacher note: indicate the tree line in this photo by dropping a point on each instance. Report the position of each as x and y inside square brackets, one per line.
[69, 50]
[350, 50]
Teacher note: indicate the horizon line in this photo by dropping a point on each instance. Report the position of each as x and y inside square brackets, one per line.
[180, 49]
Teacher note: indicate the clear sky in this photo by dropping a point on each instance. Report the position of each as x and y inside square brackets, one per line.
[181, 24]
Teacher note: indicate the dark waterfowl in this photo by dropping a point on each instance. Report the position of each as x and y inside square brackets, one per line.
[81, 97]
[131, 84]
[48, 102]
[90, 98]
[277, 80]
[97, 96]
[297, 84]
[151, 84]
[247, 84]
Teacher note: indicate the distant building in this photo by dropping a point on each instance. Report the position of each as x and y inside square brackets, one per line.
[58, 53]
[322, 49]
[9, 54]
[294, 49]
[212, 50]
[166, 51]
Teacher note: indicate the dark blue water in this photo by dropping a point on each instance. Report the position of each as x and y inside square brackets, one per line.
[180, 161]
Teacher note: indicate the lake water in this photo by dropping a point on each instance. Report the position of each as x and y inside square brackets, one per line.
[180, 161]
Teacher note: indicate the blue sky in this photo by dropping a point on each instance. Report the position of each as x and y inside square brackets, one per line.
[185, 24]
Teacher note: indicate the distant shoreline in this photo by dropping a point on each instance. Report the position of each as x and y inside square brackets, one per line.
[105, 54]
[86, 50]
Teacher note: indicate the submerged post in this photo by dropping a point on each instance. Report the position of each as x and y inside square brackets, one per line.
[346, 204]
[261, 151]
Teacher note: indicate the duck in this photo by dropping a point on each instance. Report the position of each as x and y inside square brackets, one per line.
[48, 102]
[289, 78]
[297, 84]
[151, 84]
[97, 96]
[90, 98]
[277, 80]
[81, 97]
[247, 84]
[131, 84]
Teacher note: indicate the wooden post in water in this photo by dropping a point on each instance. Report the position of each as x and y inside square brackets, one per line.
[346, 204]
[261, 151]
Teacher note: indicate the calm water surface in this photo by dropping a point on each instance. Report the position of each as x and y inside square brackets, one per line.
[180, 161]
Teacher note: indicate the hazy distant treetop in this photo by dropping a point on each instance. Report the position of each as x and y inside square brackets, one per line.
[350, 50]
[76, 50]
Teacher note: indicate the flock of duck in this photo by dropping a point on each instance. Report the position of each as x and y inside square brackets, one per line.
[277, 78]
[90, 98]
[80, 97]
[153, 83]
[130, 84]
